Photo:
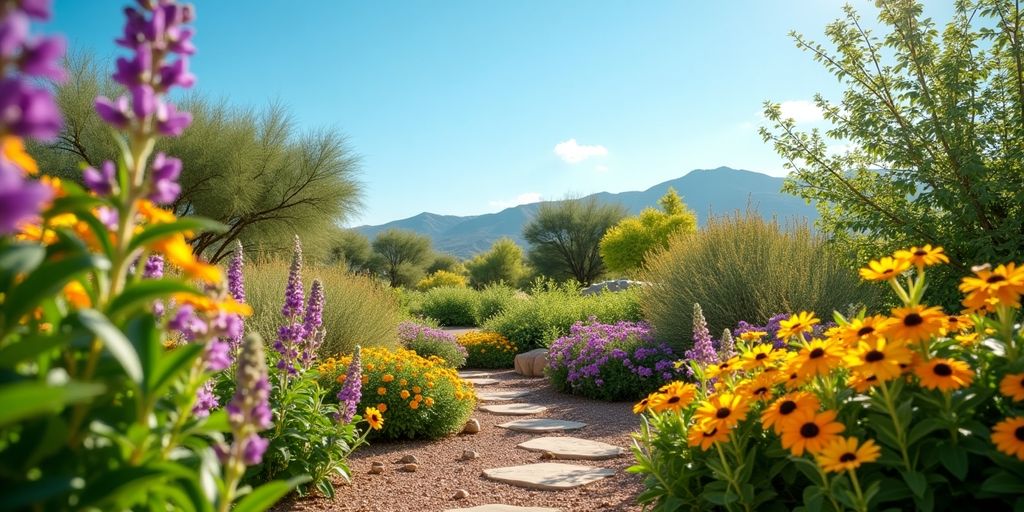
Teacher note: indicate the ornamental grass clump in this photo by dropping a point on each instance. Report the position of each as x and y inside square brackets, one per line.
[911, 407]
[429, 341]
[422, 398]
[619, 361]
[487, 350]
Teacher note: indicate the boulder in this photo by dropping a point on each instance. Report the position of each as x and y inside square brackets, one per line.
[532, 363]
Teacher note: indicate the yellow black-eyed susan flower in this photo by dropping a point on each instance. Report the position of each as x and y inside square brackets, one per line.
[761, 356]
[800, 323]
[674, 396]
[810, 432]
[915, 323]
[868, 328]
[1012, 386]
[989, 288]
[881, 358]
[884, 269]
[847, 454]
[1008, 436]
[374, 418]
[706, 437]
[721, 410]
[818, 357]
[944, 374]
[784, 409]
[923, 256]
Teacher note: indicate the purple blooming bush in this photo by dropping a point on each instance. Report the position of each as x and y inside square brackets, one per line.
[620, 361]
[429, 341]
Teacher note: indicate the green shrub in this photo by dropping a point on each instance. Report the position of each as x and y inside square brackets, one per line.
[420, 398]
[442, 278]
[743, 267]
[358, 310]
[428, 341]
[487, 350]
[551, 310]
[492, 300]
[450, 306]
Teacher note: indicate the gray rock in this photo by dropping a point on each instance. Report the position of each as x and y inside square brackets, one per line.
[409, 459]
[460, 494]
[472, 426]
[470, 455]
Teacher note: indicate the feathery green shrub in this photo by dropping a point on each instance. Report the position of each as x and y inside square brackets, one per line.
[450, 306]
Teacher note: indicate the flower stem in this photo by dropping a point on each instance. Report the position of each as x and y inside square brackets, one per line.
[900, 433]
[862, 505]
[730, 477]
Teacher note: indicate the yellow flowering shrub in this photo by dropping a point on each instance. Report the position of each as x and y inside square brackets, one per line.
[487, 350]
[419, 397]
[911, 408]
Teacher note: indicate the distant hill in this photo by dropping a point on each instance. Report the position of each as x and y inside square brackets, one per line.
[706, 191]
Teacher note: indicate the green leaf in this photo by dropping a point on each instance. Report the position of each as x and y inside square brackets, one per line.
[110, 487]
[1003, 483]
[954, 458]
[30, 347]
[917, 482]
[156, 232]
[267, 495]
[18, 259]
[74, 204]
[923, 428]
[138, 294]
[26, 494]
[174, 363]
[113, 340]
[28, 399]
[46, 281]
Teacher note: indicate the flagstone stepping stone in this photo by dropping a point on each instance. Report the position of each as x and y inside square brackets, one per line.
[573, 448]
[473, 374]
[502, 395]
[552, 476]
[514, 409]
[483, 381]
[542, 425]
[503, 508]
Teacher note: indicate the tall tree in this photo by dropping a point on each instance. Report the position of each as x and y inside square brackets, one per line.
[401, 255]
[252, 170]
[932, 122]
[626, 245]
[352, 249]
[503, 263]
[565, 237]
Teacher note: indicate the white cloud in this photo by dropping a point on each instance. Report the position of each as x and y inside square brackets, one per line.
[601, 168]
[526, 198]
[574, 153]
[802, 111]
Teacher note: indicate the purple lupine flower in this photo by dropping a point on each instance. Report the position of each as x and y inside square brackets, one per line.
[236, 278]
[726, 346]
[312, 346]
[206, 401]
[101, 181]
[249, 410]
[289, 339]
[294, 296]
[351, 390]
[42, 56]
[28, 111]
[188, 323]
[170, 121]
[166, 171]
[217, 356]
[113, 112]
[154, 268]
[20, 199]
[314, 309]
[703, 349]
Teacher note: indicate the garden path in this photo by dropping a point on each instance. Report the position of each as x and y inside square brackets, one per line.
[441, 473]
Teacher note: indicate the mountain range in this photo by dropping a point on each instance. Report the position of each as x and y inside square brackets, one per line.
[706, 191]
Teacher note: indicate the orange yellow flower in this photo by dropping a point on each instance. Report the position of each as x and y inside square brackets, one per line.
[784, 410]
[958, 323]
[387, 377]
[642, 405]
[915, 323]
[76, 295]
[989, 288]
[674, 396]
[13, 149]
[721, 410]
[944, 374]
[179, 253]
[884, 269]
[382, 407]
[847, 454]
[1012, 386]
[923, 256]
[797, 324]
[761, 387]
[818, 357]
[752, 336]
[810, 432]
[880, 358]
[861, 382]
[716, 370]
[374, 418]
[706, 437]
[862, 329]
[382, 391]
[1008, 436]
[761, 356]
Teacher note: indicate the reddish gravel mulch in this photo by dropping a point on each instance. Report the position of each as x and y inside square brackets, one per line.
[441, 473]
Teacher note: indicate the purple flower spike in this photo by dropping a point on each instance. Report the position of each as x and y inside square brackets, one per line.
[351, 390]
[217, 356]
[42, 57]
[249, 410]
[255, 447]
[206, 401]
[178, 74]
[166, 171]
[294, 296]
[13, 32]
[171, 122]
[27, 111]
[20, 199]
[188, 323]
[113, 113]
[144, 100]
[154, 268]
[314, 308]
[703, 350]
[236, 278]
[38, 9]
[101, 181]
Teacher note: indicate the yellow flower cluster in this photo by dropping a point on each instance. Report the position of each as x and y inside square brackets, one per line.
[915, 344]
[484, 341]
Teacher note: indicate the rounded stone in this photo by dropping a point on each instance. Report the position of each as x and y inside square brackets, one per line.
[472, 426]
[548, 475]
[514, 409]
[542, 425]
[572, 448]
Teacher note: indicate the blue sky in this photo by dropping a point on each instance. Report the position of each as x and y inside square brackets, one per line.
[467, 107]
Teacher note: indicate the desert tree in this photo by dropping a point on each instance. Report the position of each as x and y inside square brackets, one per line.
[502, 263]
[565, 237]
[401, 256]
[627, 244]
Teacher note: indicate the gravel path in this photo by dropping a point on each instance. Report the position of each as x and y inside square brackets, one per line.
[441, 473]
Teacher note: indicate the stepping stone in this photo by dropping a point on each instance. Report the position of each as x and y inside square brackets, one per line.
[501, 395]
[503, 508]
[552, 476]
[514, 409]
[482, 381]
[573, 448]
[473, 374]
[542, 425]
